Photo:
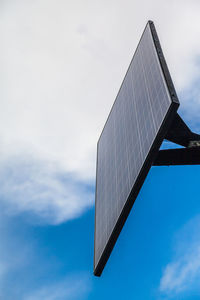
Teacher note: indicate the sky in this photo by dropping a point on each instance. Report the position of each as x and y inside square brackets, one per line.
[61, 65]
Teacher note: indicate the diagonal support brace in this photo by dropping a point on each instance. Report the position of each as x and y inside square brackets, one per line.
[180, 133]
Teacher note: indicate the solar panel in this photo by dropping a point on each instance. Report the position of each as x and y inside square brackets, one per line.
[136, 126]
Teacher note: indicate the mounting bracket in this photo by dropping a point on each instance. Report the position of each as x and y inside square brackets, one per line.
[180, 134]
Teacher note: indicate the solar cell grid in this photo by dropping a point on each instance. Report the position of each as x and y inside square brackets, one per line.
[129, 135]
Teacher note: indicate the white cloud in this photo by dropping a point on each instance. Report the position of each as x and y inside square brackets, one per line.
[183, 272]
[180, 275]
[38, 188]
[61, 65]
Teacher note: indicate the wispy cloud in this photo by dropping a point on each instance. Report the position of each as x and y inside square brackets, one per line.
[179, 275]
[183, 272]
[28, 270]
[43, 191]
[68, 288]
[17, 255]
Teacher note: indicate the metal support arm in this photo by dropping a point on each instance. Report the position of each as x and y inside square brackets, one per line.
[180, 133]
[182, 156]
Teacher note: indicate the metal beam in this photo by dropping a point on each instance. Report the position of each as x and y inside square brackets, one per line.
[180, 133]
[182, 156]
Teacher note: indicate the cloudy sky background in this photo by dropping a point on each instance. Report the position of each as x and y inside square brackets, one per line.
[61, 65]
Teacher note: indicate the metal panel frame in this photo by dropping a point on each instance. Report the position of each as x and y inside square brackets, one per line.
[149, 159]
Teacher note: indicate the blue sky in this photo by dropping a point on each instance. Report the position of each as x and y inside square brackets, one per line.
[62, 63]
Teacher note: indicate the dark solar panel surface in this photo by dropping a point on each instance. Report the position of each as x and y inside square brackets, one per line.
[130, 132]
